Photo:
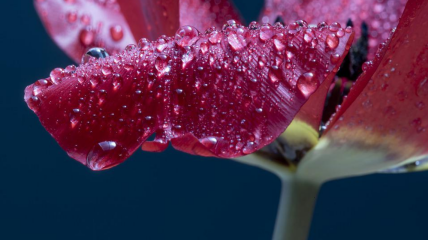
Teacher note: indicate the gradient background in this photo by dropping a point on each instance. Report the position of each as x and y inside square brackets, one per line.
[46, 195]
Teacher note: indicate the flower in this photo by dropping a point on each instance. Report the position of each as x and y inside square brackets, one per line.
[93, 110]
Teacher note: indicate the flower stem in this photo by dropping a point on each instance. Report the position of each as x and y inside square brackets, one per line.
[295, 209]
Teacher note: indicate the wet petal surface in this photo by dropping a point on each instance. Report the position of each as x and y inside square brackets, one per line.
[226, 93]
[381, 16]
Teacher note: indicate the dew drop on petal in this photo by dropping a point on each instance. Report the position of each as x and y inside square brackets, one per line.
[209, 142]
[266, 32]
[307, 84]
[186, 36]
[116, 32]
[103, 155]
[332, 41]
[87, 37]
[71, 17]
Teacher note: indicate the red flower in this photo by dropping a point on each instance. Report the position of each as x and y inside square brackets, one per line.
[230, 92]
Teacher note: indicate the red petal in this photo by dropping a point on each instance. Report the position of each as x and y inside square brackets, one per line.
[381, 16]
[151, 18]
[388, 101]
[77, 25]
[204, 14]
[225, 93]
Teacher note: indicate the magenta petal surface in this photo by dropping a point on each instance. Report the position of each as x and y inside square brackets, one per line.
[223, 93]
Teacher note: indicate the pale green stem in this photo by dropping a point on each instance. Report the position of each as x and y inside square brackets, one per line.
[297, 202]
[295, 210]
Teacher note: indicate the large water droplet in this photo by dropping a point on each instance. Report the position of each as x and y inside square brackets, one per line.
[40, 85]
[209, 142]
[56, 75]
[266, 32]
[332, 41]
[307, 84]
[94, 53]
[186, 36]
[105, 155]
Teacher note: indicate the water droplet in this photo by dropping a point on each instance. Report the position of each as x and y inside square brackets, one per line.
[334, 27]
[307, 84]
[105, 155]
[334, 58]
[85, 19]
[87, 36]
[116, 33]
[209, 142]
[106, 70]
[332, 41]
[204, 47]
[266, 32]
[236, 41]
[179, 91]
[422, 88]
[187, 58]
[162, 64]
[56, 75]
[309, 35]
[94, 53]
[161, 44]
[186, 36]
[230, 24]
[117, 82]
[215, 37]
[144, 44]
[34, 103]
[40, 85]
[259, 110]
[249, 148]
[367, 65]
[253, 25]
[71, 17]
[420, 105]
[130, 47]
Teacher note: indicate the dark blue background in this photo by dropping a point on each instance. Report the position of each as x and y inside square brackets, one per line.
[171, 195]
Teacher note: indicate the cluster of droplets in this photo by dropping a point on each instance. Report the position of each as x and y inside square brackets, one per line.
[222, 86]
[380, 15]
